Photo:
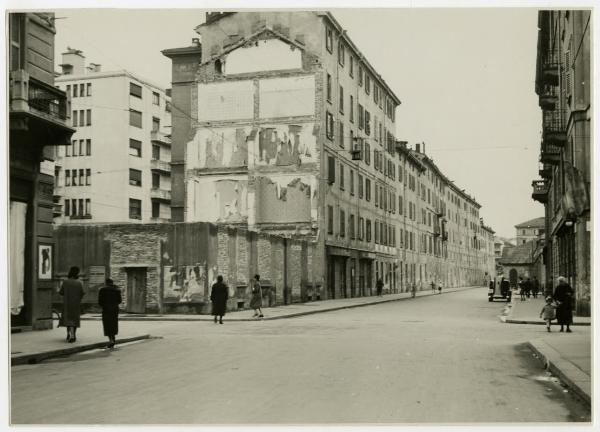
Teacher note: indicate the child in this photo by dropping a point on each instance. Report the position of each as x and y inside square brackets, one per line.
[548, 312]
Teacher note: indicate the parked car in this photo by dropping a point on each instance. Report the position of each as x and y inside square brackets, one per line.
[499, 290]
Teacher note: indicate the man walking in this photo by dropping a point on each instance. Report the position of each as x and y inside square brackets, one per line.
[218, 296]
[379, 287]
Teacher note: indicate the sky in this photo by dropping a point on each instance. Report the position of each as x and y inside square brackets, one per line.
[465, 78]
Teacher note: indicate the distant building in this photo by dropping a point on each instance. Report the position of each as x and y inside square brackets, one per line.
[117, 168]
[39, 122]
[533, 229]
[524, 260]
[563, 84]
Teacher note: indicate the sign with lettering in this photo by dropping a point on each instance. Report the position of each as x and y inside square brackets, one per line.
[97, 276]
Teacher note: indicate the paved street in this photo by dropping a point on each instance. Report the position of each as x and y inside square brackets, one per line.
[433, 359]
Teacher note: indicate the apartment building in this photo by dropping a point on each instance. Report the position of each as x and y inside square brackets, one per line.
[39, 123]
[295, 135]
[563, 84]
[117, 168]
[533, 229]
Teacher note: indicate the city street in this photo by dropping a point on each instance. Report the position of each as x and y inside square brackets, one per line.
[436, 359]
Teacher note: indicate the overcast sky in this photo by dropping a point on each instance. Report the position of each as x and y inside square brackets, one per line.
[465, 78]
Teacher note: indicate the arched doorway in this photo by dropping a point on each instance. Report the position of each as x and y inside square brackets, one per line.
[512, 276]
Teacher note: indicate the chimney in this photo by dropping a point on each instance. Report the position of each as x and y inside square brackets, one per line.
[73, 62]
[418, 148]
[423, 147]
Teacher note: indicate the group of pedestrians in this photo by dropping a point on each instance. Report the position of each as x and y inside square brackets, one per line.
[109, 299]
[220, 293]
[559, 306]
[528, 288]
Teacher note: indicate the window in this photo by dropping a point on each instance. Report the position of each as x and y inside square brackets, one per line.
[82, 118]
[82, 90]
[342, 176]
[400, 205]
[67, 207]
[367, 122]
[135, 118]
[155, 180]
[361, 228]
[367, 153]
[329, 220]
[351, 182]
[377, 232]
[342, 223]
[375, 94]
[155, 209]
[155, 124]
[82, 177]
[329, 40]
[68, 90]
[360, 186]
[88, 176]
[135, 147]
[351, 109]
[16, 34]
[81, 147]
[377, 197]
[351, 227]
[367, 84]
[341, 53]
[135, 209]
[89, 89]
[135, 90]
[75, 90]
[360, 76]
[329, 88]
[155, 151]
[361, 117]
[81, 209]
[89, 117]
[155, 98]
[368, 230]
[68, 148]
[74, 117]
[329, 125]
[74, 177]
[351, 67]
[88, 147]
[67, 178]
[135, 177]
[368, 189]
[341, 134]
[331, 170]
[342, 99]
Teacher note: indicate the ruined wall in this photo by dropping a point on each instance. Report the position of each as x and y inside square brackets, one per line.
[285, 198]
[217, 199]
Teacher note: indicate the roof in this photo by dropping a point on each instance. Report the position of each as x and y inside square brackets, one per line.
[539, 222]
[106, 74]
[522, 254]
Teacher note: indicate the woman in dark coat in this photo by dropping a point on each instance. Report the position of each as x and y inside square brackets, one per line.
[219, 295]
[109, 298]
[564, 297]
[72, 292]
[256, 296]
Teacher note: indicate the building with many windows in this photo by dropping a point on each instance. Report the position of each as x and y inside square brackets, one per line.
[563, 84]
[533, 229]
[117, 168]
[295, 135]
[39, 123]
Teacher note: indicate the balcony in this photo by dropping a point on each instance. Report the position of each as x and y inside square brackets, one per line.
[550, 154]
[545, 171]
[160, 166]
[39, 109]
[548, 98]
[540, 191]
[158, 194]
[161, 138]
[550, 68]
[554, 127]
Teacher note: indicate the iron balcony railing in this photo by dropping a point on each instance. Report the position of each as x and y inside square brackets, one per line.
[540, 191]
[47, 99]
[554, 127]
[550, 67]
[548, 98]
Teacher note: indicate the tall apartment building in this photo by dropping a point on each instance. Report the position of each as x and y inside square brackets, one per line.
[39, 122]
[295, 136]
[563, 84]
[117, 168]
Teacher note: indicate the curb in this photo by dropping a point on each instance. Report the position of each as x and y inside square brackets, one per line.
[209, 318]
[578, 381]
[41, 356]
[512, 321]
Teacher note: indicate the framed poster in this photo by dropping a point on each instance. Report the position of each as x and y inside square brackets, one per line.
[45, 261]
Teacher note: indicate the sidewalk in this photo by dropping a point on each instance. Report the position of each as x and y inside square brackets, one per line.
[34, 346]
[566, 355]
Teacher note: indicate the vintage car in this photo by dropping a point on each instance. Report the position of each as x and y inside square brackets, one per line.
[499, 291]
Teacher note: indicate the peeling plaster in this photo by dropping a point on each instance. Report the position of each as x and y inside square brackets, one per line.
[263, 55]
[286, 198]
[218, 199]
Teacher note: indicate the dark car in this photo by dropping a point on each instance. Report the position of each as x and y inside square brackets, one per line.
[499, 290]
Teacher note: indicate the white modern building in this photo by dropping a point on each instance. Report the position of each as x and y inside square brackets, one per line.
[117, 168]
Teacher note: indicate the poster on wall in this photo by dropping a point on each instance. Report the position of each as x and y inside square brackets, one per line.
[44, 261]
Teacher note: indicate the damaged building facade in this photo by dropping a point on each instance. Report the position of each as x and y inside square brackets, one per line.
[283, 127]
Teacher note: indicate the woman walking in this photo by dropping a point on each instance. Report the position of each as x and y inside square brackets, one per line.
[109, 299]
[256, 299]
[564, 298]
[219, 295]
[72, 292]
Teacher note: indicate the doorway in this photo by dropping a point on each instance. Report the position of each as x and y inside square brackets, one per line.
[136, 290]
[512, 276]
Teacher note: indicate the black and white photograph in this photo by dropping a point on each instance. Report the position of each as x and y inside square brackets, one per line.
[315, 215]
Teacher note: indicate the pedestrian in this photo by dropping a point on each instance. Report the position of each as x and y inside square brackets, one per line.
[439, 288]
[72, 292]
[218, 296]
[109, 299]
[548, 312]
[535, 287]
[433, 287]
[379, 287]
[413, 290]
[256, 299]
[522, 288]
[563, 294]
[528, 287]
